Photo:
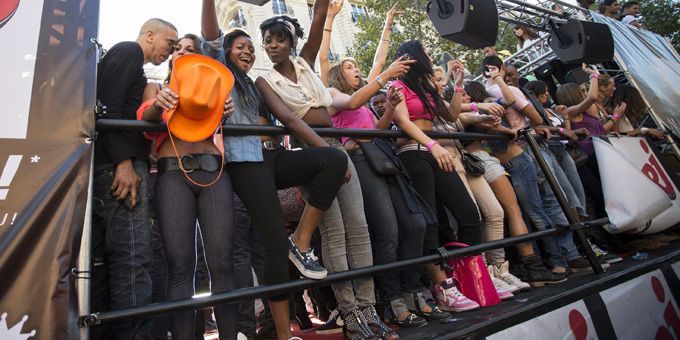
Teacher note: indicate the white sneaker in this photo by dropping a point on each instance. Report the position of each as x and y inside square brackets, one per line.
[503, 289]
[502, 272]
[451, 299]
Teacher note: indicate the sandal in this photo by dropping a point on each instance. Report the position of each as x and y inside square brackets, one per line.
[377, 325]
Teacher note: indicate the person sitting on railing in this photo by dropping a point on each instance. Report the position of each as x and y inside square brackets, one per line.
[396, 228]
[538, 201]
[344, 231]
[635, 113]
[527, 37]
[258, 166]
[191, 186]
[492, 212]
[121, 225]
[534, 270]
[431, 168]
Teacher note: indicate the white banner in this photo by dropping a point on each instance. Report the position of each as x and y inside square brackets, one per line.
[571, 322]
[632, 200]
[19, 29]
[643, 308]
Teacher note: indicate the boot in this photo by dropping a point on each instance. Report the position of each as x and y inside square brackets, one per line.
[356, 327]
[536, 273]
[378, 326]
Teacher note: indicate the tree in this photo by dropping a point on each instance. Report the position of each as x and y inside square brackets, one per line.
[414, 24]
[662, 17]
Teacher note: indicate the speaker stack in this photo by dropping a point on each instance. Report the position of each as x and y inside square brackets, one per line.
[583, 41]
[471, 23]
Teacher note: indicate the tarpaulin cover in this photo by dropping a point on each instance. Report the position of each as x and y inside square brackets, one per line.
[654, 66]
[47, 86]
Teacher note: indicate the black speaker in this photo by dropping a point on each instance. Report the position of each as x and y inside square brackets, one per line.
[583, 41]
[471, 23]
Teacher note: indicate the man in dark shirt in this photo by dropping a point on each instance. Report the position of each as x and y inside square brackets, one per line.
[121, 231]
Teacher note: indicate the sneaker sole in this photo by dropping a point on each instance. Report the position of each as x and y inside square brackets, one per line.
[329, 331]
[543, 283]
[305, 272]
[457, 310]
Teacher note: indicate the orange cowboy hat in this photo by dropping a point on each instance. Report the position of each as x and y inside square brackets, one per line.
[203, 85]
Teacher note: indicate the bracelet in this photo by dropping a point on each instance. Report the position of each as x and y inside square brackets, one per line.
[458, 89]
[155, 106]
[644, 130]
[430, 145]
[496, 76]
[385, 40]
[380, 81]
[616, 116]
[473, 106]
[327, 30]
[594, 76]
[561, 130]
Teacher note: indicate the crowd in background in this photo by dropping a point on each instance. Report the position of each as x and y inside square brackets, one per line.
[180, 213]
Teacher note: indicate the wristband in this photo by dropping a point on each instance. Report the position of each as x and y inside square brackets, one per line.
[430, 145]
[594, 76]
[473, 106]
[616, 116]
[380, 81]
[458, 89]
[561, 130]
[644, 130]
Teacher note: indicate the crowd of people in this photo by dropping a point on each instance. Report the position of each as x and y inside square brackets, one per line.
[194, 210]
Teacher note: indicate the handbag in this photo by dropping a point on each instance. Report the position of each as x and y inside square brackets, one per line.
[474, 166]
[472, 278]
[579, 156]
[377, 159]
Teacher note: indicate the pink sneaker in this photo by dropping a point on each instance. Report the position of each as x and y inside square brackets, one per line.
[449, 298]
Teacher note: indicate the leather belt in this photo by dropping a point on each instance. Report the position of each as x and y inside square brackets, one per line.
[192, 162]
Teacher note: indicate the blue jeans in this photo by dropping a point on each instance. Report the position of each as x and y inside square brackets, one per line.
[396, 233]
[560, 159]
[126, 247]
[179, 204]
[539, 205]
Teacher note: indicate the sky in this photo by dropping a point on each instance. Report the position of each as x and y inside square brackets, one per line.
[120, 20]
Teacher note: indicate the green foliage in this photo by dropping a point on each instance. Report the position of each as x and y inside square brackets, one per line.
[414, 24]
[662, 17]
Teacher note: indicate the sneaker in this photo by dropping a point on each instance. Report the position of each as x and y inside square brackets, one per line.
[333, 325]
[503, 289]
[536, 273]
[579, 265]
[502, 271]
[305, 261]
[605, 256]
[449, 298]
[412, 321]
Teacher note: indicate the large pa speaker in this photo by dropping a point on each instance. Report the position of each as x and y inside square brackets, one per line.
[583, 41]
[471, 23]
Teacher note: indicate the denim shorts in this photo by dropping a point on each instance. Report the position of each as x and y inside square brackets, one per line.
[493, 169]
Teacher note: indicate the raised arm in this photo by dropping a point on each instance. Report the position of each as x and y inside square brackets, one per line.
[276, 106]
[311, 47]
[508, 96]
[324, 62]
[342, 101]
[383, 46]
[457, 100]
[209, 26]
[581, 107]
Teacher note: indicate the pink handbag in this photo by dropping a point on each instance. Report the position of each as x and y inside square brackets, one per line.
[472, 277]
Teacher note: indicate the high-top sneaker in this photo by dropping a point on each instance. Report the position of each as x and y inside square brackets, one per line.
[449, 298]
[502, 271]
[536, 273]
[503, 289]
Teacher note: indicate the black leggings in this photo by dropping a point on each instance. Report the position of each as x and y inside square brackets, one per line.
[435, 185]
[321, 170]
[590, 177]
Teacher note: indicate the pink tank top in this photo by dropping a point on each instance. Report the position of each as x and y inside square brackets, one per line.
[416, 108]
[361, 118]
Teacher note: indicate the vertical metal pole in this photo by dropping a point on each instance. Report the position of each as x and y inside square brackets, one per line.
[84, 260]
[564, 204]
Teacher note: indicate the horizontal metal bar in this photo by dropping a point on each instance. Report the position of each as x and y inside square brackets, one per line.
[282, 288]
[246, 130]
[539, 8]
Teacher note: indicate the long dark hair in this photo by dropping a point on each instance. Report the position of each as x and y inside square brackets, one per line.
[476, 91]
[419, 79]
[636, 109]
[248, 95]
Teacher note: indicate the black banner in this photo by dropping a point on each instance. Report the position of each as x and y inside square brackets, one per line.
[48, 69]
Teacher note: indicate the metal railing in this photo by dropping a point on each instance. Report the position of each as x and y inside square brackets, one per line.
[440, 256]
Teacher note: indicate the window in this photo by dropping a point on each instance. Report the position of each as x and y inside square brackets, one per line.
[238, 20]
[357, 12]
[279, 7]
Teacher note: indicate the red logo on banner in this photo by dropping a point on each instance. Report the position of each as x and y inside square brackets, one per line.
[653, 170]
[578, 325]
[670, 315]
[7, 9]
